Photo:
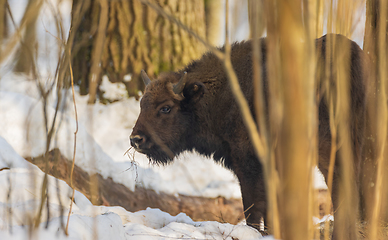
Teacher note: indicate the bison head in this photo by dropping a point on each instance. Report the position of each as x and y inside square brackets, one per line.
[167, 116]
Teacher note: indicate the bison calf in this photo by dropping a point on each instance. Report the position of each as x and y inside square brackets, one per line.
[194, 109]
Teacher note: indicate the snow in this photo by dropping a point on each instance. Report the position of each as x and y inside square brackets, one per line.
[20, 189]
[113, 92]
[100, 148]
[102, 141]
[325, 218]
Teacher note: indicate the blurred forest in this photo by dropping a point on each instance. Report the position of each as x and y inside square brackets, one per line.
[119, 38]
[123, 37]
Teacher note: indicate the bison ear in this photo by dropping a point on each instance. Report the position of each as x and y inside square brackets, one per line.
[194, 91]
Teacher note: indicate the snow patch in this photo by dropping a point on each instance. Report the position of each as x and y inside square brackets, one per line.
[113, 91]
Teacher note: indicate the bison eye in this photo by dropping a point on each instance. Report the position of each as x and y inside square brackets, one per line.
[165, 109]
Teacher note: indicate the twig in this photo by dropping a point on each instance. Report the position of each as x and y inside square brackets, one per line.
[97, 51]
[75, 144]
[50, 133]
[14, 39]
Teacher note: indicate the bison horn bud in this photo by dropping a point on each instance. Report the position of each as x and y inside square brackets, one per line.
[145, 78]
[178, 88]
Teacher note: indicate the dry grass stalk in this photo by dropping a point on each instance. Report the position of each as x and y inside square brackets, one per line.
[74, 150]
[257, 26]
[97, 50]
[340, 20]
[294, 152]
[30, 14]
[381, 119]
[275, 114]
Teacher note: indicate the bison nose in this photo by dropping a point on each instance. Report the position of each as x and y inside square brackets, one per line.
[137, 141]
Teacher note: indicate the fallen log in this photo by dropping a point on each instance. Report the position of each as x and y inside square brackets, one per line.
[109, 193]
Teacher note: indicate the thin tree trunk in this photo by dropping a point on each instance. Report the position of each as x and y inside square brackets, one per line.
[375, 196]
[3, 20]
[213, 10]
[292, 115]
[97, 50]
[26, 54]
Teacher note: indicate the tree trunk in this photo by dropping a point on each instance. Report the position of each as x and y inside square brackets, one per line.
[26, 54]
[213, 9]
[136, 37]
[375, 164]
[3, 20]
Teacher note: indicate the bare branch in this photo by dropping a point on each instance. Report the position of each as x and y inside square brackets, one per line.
[98, 47]
[29, 15]
[75, 145]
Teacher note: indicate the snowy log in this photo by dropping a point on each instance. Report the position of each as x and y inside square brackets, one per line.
[114, 194]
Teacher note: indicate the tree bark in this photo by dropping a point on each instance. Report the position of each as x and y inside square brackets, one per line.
[136, 37]
[375, 197]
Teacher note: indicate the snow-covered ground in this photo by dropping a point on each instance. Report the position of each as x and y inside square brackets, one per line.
[20, 191]
[102, 142]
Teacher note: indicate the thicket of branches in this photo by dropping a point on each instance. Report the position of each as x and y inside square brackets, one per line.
[291, 27]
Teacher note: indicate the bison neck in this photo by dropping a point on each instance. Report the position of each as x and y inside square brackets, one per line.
[218, 131]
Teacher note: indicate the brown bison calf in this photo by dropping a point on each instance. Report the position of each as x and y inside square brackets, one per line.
[194, 109]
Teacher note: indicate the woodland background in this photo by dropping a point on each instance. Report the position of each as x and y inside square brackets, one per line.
[103, 47]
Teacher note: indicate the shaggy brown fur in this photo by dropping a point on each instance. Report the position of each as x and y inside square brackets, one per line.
[205, 118]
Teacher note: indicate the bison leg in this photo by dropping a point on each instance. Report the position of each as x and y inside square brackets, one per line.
[253, 192]
[344, 225]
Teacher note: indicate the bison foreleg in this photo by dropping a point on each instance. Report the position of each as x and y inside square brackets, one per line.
[253, 193]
